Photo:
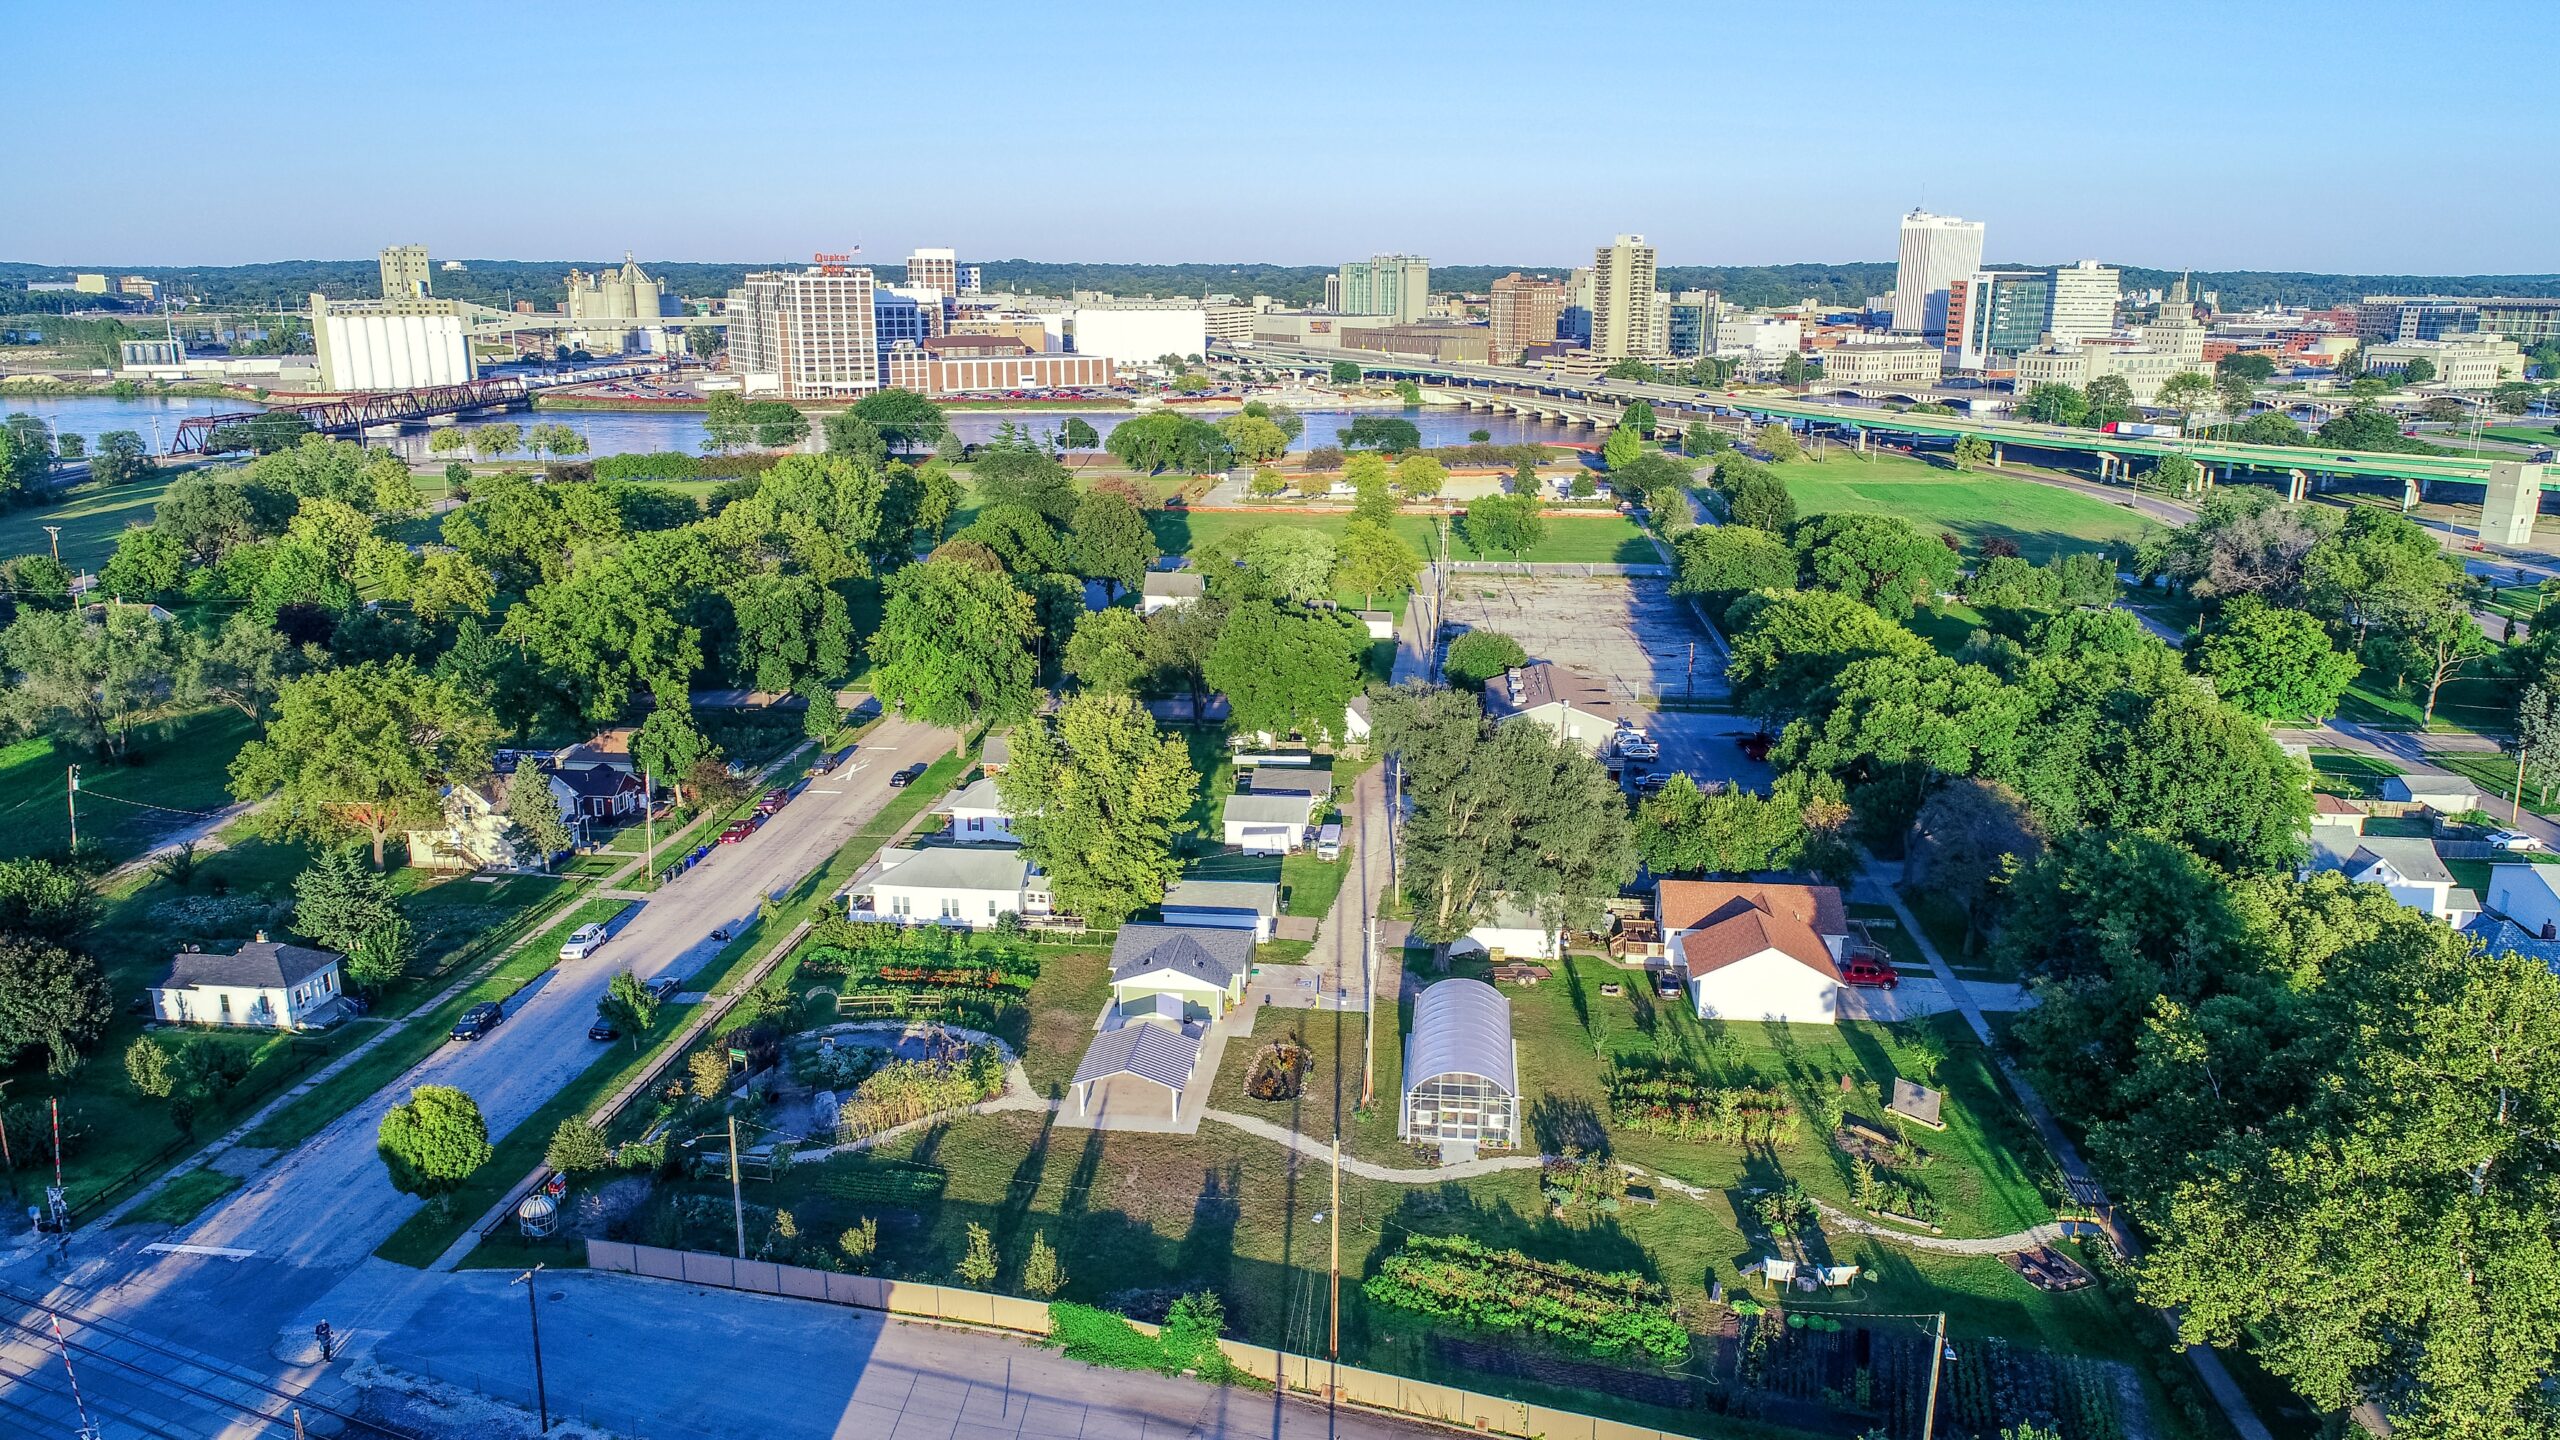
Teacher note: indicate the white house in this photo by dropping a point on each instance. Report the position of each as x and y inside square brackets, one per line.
[2406, 865]
[1168, 589]
[978, 816]
[1227, 904]
[263, 985]
[2529, 895]
[477, 834]
[1201, 968]
[969, 888]
[1756, 952]
[1576, 707]
[1510, 932]
[1261, 824]
[2442, 793]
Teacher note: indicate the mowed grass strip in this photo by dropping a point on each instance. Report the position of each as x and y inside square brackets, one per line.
[2044, 520]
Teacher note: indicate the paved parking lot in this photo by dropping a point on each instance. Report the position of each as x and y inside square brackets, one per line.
[1630, 632]
[1703, 746]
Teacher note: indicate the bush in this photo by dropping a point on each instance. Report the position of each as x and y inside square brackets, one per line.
[1188, 1340]
[1479, 655]
[576, 1148]
[1451, 1277]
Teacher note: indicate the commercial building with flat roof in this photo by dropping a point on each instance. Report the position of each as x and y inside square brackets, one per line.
[1392, 285]
[1524, 311]
[2142, 369]
[1139, 332]
[806, 334]
[390, 344]
[1909, 362]
[1993, 316]
[2462, 362]
[978, 364]
[1936, 250]
[1689, 323]
[1622, 297]
[2083, 301]
[1443, 344]
[935, 270]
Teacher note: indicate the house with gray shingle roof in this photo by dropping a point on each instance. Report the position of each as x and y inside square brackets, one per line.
[1267, 824]
[1247, 905]
[262, 985]
[1202, 966]
[967, 887]
[2406, 865]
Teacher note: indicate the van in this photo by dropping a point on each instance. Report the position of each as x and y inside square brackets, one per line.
[1329, 843]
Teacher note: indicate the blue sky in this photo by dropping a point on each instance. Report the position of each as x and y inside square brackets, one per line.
[2295, 136]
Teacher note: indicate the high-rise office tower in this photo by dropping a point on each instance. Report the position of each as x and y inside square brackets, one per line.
[2084, 302]
[1936, 249]
[1621, 297]
[806, 334]
[1523, 312]
[1397, 285]
[935, 270]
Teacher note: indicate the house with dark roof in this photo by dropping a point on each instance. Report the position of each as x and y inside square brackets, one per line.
[2406, 865]
[1576, 707]
[1753, 951]
[1203, 967]
[263, 985]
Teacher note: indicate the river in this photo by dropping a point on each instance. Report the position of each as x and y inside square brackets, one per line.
[627, 432]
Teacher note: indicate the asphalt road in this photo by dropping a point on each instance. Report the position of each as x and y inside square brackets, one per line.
[304, 1226]
[806, 1371]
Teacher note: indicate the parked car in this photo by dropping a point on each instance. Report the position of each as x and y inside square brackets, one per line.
[773, 800]
[603, 1032]
[663, 986]
[906, 777]
[2515, 840]
[1666, 984]
[1755, 746]
[1869, 970]
[1651, 782]
[479, 1020]
[737, 832]
[584, 941]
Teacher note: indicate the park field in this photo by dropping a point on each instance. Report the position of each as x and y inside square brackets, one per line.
[2044, 520]
[91, 516]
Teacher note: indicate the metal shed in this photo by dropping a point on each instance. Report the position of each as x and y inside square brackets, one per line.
[1461, 1068]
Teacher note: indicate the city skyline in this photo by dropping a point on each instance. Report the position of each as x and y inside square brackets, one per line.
[1810, 162]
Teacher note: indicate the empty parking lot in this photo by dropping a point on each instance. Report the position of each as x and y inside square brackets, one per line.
[1629, 632]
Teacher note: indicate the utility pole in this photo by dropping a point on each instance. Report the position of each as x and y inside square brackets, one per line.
[71, 798]
[737, 1202]
[1369, 1027]
[648, 819]
[54, 533]
[1937, 1357]
[533, 1314]
[1333, 1337]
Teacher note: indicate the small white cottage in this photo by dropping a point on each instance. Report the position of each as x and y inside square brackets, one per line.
[263, 985]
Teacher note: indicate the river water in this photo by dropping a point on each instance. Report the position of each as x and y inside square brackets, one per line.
[628, 432]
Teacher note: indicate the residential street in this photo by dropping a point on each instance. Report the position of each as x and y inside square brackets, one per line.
[299, 1229]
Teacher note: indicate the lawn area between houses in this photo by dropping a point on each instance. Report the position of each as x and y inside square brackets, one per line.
[2350, 773]
[2495, 773]
[2044, 520]
[2468, 703]
[178, 773]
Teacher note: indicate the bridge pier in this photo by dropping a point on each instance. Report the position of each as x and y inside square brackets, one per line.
[2408, 495]
[2513, 503]
[2297, 486]
[1862, 439]
[1996, 452]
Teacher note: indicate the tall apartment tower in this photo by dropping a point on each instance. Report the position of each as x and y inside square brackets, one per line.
[1396, 285]
[1523, 312]
[1622, 298]
[806, 334]
[2083, 302]
[935, 270]
[406, 274]
[1935, 250]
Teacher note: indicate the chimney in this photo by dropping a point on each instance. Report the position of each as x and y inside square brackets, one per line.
[2550, 931]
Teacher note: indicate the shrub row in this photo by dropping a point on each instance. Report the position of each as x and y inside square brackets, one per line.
[1450, 1277]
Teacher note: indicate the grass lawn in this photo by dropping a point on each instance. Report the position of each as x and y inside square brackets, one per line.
[1600, 538]
[2350, 773]
[182, 1199]
[91, 517]
[2496, 776]
[2468, 703]
[2044, 520]
[175, 775]
[2522, 434]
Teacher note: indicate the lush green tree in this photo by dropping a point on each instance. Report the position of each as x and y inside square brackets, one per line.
[338, 898]
[2008, 582]
[1474, 658]
[821, 513]
[1788, 644]
[1638, 416]
[1163, 440]
[1703, 440]
[856, 439]
[2378, 568]
[1376, 561]
[1754, 496]
[92, 684]
[2271, 428]
[1110, 541]
[2273, 663]
[146, 1065]
[1726, 560]
[2249, 365]
[1621, 448]
[148, 563]
[244, 665]
[1288, 671]
[2418, 371]
[363, 749]
[1420, 477]
[1800, 825]
[1016, 469]
[533, 813]
[1042, 1272]
[955, 645]
[669, 745]
[2110, 402]
[577, 1148]
[53, 999]
[789, 634]
[1390, 433]
[2517, 396]
[34, 580]
[49, 899]
[1778, 442]
[1883, 560]
[1972, 452]
[1180, 640]
[120, 459]
[2186, 392]
[2243, 541]
[627, 621]
[2054, 403]
[1267, 484]
[1891, 727]
[1501, 813]
[1109, 650]
[628, 1006]
[433, 1143]
[1254, 440]
[1078, 434]
[1967, 839]
[381, 956]
[1098, 797]
[1345, 372]
[1510, 525]
[2369, 427]
[903, 418]
[1291, 562]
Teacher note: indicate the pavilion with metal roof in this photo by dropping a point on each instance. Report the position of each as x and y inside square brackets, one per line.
[1461, 1069]
[1147, 1049]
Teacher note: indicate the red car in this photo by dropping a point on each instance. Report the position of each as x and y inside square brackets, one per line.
[736, 833]
[1755, 747]
[1868, 970]
[773, 800]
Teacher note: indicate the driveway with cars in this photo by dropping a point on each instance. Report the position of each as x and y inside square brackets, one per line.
[264, 1262]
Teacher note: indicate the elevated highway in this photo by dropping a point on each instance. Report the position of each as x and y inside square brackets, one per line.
[1598, 400]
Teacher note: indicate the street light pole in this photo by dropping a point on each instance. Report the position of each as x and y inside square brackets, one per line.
[533, 1316]
[1937, 1356]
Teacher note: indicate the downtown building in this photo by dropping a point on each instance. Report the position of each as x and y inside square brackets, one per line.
[1398, 286]
[808, 334]
[1522, 312]
[1622, 298]
[1936, 251]
[948, 365]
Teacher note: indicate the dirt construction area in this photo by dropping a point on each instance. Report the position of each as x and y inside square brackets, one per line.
[1627, 631]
